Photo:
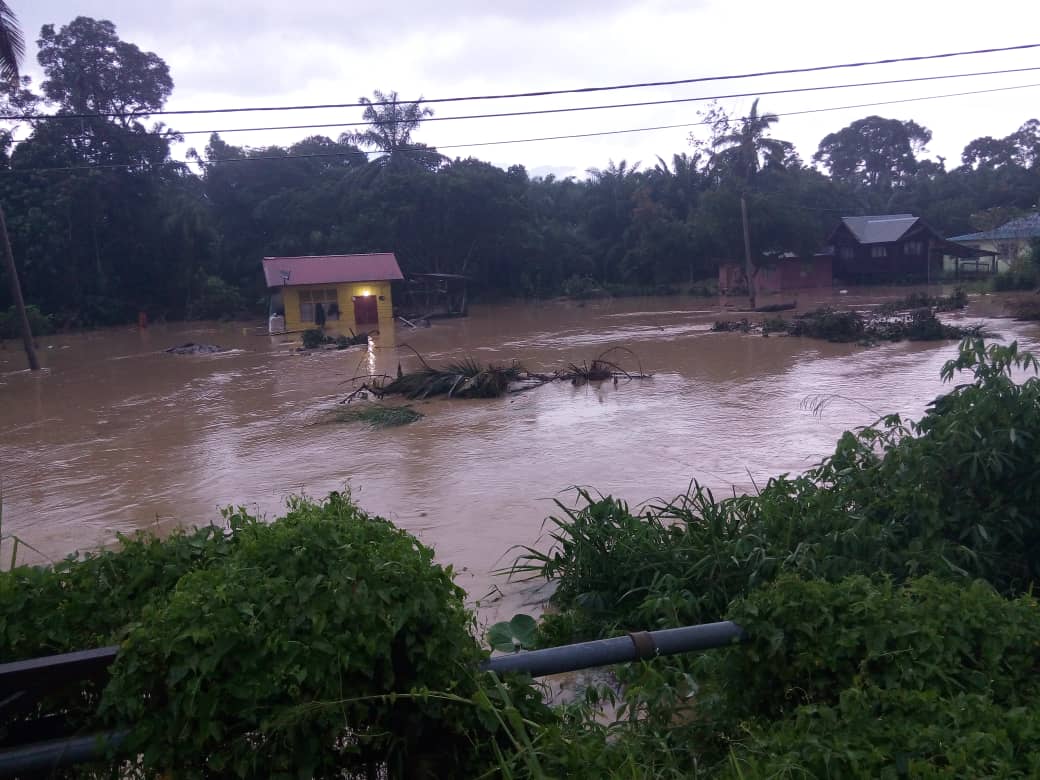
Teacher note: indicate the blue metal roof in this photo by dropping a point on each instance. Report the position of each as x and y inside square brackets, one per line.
[1023, 227]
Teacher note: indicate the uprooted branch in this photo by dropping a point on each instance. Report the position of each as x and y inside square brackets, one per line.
[468, 379]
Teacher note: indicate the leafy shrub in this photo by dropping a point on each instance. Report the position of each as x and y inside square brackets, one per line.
[324, 644]
[865, 679]
[583, 287]
[811, 641]
[279, 662]
[313, 338]
[828, 324]
[216, 300]
[954, 495]
[89, 600]
[874, 733]
[39, 323]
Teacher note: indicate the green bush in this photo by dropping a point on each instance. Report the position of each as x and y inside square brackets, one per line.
[866, 679]
[582, 288]
[872, 733]
[811, 641]
[216, 300]
[954, 495]
[277, 662]
[93, 599]
[313, 338]
[324, 644]
[39, 323]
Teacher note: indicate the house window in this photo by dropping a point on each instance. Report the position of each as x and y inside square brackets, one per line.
[878, 251]
[913, 248]
[847, 253]
[326, 296]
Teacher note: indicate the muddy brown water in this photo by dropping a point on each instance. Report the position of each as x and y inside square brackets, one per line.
[116, 435]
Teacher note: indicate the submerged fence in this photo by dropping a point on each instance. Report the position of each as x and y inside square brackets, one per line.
[36, 746]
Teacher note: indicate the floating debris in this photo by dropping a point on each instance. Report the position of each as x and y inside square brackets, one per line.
[191, 348]
[315, 338]
[852, 326]
[377, 416]
[468, 379]
[732, 326]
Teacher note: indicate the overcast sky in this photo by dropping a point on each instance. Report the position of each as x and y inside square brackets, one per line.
[269, 52]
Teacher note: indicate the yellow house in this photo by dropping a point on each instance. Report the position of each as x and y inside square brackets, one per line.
[352, 291]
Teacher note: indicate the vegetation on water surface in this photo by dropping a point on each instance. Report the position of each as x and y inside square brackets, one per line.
[466, 378]
[312, 338]
[887, 324]
[377, 416]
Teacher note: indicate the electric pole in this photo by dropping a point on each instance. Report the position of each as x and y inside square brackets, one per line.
[16, 295]
[747, 251]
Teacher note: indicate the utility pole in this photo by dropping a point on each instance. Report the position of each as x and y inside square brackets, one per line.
[747, 251]
[16, 295]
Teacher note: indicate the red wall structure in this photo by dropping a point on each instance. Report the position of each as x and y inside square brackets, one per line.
[781, 275]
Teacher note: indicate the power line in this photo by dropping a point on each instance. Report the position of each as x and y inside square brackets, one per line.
[573, 109]
[477, 144]
[540, 93]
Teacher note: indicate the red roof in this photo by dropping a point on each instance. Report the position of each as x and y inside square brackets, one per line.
[330, 269]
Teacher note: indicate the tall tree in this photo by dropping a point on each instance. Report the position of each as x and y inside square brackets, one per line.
[12, 48]
[393, 122]
[90, 70]
[747, 149]
[874, 153]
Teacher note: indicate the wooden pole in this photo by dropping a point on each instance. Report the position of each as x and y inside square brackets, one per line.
[747, 251]
[16, 294]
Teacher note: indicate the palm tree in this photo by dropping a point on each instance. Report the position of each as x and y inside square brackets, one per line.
[393, 123]
[743, 148]
[12, 47]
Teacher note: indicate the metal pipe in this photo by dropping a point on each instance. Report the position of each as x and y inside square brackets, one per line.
[48, 756]
[640, 645]
[605, 652]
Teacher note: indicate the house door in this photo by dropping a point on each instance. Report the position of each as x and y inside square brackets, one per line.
[365, 311]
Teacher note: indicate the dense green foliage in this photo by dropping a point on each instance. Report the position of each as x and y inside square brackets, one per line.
[98, 244]
[953, 493]
[326, 642]
[886, 595]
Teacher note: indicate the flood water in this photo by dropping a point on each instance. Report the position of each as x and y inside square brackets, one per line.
[116, 435]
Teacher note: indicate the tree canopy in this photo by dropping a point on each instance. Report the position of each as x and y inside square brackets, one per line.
[873, 152]
[105, 222]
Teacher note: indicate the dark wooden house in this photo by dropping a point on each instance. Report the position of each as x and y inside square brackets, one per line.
[890, 247]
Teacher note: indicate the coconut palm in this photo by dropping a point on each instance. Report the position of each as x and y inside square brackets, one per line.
[393, 123]
[745, 148]
[12, 47]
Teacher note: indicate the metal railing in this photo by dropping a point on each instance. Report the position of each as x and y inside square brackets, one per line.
[39, 745]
